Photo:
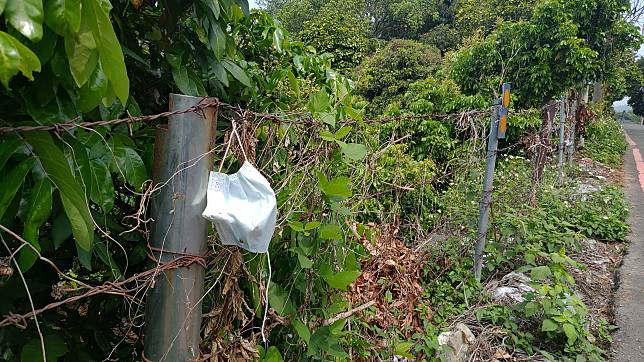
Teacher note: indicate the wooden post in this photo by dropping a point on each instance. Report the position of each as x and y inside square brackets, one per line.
[181, 168]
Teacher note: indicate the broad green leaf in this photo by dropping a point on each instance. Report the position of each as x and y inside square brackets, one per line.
[330, 232]
[82, 53]
[294, 83]
[14, 58]
[279, 300]
[96, 13]
[539, 273]
[327, 118]
[26, 16]
[101, 186]
[571, 333]
[2, 5]
[220, 73]
[217, 40]
[237, 72]
[531, 309]
[342, 279]
[10, 183]
[85, 256]
[337, 187]
[548, 325]
[312, 225]
[92, 92]
[342, 132]
[318, 102]
[272, 355]
[72, 195]
[106, 257]
[402, 349]
[278, 39]
[7, 149]
[130, 165]
[60, 230]
[305, 262]
[39, 209]
[327, 136]
[63, 16]
[55, 348]
[213, 5]
[354, 151]
[302, 331]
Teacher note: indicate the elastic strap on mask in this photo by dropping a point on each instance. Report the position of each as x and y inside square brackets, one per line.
[234, 132]
[268, 283]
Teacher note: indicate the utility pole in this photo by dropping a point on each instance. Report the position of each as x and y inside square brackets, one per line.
[182, 162]
[562, 145]
[498, 128]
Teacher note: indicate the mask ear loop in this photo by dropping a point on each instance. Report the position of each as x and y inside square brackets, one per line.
[268, 283]
[221, 164]
[241, 146]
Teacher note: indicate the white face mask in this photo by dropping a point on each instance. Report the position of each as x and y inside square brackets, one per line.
[243, 208]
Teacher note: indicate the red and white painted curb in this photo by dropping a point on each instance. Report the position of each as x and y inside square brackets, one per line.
[639, 163]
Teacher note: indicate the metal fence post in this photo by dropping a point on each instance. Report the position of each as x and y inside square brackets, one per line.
[573, 128]
[486, 198]
[562, 128]
[182, 164]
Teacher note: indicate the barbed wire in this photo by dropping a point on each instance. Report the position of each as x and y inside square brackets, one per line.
[208, 102]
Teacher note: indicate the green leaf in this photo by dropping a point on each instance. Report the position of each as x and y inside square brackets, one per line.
[55, 348]
[106, 257]
[571, 333]
[72, 195]
[343, 132]
[220, 73]
[14, 58]
[93, 91]
[63, 16]
[279, 300]
[327, 118]
[40, 203]
[354, 151]
[217, 40]
[237, 72]
[96, 13]
[60, 230]
[278, 39]
[305, 262]
[327, 136]
[130, 165]
[2, 5]
[342, 279]
[539, 273]
[82, 53]
[302, 331]
[272, 355]
[10, 183]
[337, 187]
[7, 149]
[531, 309]
[319, 102]
[101, 186]
[330, 232]
[548, 325]
[402, 349]
[26, 16]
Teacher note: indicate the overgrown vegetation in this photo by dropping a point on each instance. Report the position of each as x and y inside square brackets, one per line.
[379, 115]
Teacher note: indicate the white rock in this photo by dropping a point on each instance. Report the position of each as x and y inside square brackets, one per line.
[456, 344]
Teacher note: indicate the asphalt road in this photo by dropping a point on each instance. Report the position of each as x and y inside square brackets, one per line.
[629, 301]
